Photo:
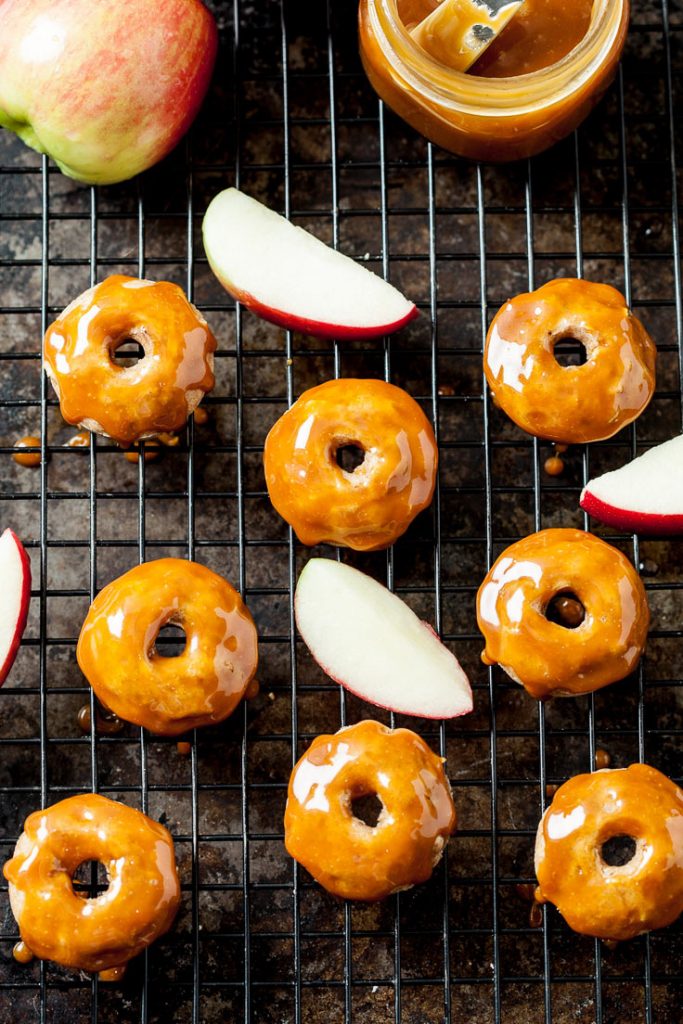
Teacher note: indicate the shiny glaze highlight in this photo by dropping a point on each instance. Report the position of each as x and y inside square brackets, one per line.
[346, 856]
[571, 404]
[548, 659]
[202, 685]
[595, 898]
[92, 934]
[371, 507]
[157, 393]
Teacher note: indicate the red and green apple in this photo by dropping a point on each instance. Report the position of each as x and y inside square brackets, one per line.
[105, 87]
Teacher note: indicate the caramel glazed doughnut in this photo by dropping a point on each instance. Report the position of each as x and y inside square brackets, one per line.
[156, 394]
[138, 906]
[168, 696]
[613, 900]
[348, 857]
[372, 506]
[570, 404]
[563, 657]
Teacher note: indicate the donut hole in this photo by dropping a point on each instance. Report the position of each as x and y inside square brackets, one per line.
[171, 641]
[127, 352]
[569, 351]
[367, 807]
[349, 457]
[617, 851]
[566, 609]
[90, 879]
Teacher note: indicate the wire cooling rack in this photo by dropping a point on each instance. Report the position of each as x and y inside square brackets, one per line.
[292, 120]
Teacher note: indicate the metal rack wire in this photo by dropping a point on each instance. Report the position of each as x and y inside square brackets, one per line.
[292, 120]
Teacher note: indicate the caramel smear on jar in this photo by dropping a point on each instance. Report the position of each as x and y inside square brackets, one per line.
[30, 459]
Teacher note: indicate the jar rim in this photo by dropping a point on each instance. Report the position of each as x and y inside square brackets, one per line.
[513, 95]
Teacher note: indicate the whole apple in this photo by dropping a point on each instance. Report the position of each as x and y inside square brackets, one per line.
[104, 87]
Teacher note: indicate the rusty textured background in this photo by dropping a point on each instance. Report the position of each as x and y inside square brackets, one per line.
[292, 119]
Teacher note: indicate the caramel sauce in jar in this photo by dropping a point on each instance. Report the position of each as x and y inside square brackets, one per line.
[540, 34]
[520, 97]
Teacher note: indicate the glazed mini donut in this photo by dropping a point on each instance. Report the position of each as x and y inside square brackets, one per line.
[570, 404]
[594, 895]
[348, 857]
[563, 613]
[204, 684]
[102, 933]
[156, 394]
[370, 507]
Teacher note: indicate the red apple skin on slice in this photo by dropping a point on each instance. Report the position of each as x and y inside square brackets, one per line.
[316, 328]
[14, 602]
[647, 523]
[645, 496]
[289, 277]
[371, 643]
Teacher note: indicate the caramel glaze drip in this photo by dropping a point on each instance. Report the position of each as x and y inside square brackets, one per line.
[79, 440]
[252, 690]
[29, 459]
[602, 759]
[184, 748]
[106, 722]
[152, 452]
[21, 953]
[112, 974]
[553, 466]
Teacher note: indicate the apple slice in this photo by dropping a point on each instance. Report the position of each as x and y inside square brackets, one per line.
[15, 571]
[293, 279]
[370, 641]
[644, 496]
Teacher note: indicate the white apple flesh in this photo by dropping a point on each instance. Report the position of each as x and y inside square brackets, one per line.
[287, 276]
[644, 496]
[15, 572]
[370, 641]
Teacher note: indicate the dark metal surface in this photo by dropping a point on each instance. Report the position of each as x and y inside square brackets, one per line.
[292, 120]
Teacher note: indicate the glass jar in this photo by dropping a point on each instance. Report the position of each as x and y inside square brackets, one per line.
[490, 118]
